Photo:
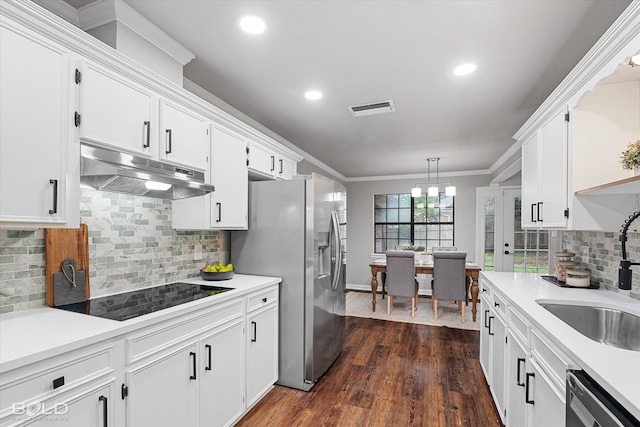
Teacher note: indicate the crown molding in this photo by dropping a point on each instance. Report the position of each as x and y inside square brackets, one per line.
[417, 176]
[609, 51]
[61, 9]
[102, 12]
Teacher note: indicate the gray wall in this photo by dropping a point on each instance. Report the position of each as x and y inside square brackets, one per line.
[360, 219]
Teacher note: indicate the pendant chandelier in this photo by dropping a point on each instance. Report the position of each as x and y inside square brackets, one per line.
[432, 189]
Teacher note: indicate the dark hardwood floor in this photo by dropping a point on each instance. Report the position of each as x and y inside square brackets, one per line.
[390, 374]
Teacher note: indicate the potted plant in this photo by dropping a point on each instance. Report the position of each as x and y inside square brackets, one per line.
[630, 158]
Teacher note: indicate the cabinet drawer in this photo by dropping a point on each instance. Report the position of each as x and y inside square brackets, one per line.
[486, 292]
[262, 298]
[35, 383]
[552, 360]
[518, 325]
[499, 304]
[156, 339]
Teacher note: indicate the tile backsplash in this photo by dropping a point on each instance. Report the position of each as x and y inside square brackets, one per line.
[131, 245]
[601, 253]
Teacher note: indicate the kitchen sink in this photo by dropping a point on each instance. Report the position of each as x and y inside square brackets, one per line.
[609, 326]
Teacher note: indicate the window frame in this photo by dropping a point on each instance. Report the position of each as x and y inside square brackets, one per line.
[412, 223]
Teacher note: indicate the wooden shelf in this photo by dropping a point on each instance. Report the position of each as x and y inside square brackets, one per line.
[621, 187]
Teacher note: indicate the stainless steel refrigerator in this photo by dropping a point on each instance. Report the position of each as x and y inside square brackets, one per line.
[297, 231]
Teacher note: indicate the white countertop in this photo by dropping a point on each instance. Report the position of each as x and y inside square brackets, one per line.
[32, 335]
[616, 370]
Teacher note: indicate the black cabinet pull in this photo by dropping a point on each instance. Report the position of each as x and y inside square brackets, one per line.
[521, 384]
[219, 205]
[105, 409]
[526, 393]
[280, 166]
[208, 367]
[533, 205]
[254, 325]
[273, 163]
[486, 322]
[538, 209]
[193, 358]
[58, 382]
[55, 196]
[168, 142]
[490, 323]
[124, 391]
[147, 127]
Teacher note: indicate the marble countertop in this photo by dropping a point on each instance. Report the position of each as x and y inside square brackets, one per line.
[616, 370]
[32, 335]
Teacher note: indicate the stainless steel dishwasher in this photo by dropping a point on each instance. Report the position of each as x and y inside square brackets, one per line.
[588, 404]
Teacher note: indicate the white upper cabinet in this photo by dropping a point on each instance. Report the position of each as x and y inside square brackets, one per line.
[266, 163]
[544, 174]
[116, 112]
[39, 162]
[184, 136]
[229, 176]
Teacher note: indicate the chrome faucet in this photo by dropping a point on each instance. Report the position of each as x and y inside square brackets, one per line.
[624, 272]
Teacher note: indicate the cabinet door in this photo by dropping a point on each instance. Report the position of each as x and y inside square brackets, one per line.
[230, 178]
[516, 362]
[497, 330]
[116, 112]
[37, 160]
[530, 197]
[261, 160]
[262, 352]
[485, 338]
[93, 408]
[184, 136]
[164, 392]
[222, 376]
[548, 406]
[286, 168]
[553, 171]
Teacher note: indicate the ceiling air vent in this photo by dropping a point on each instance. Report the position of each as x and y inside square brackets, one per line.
[373, 108]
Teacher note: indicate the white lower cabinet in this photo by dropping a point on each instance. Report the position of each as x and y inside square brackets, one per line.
[94, 407]
[76, 389]
[517, 362]
[163, 391]
[222, 376]
[262, 351]
[547, 402]
[524, 369]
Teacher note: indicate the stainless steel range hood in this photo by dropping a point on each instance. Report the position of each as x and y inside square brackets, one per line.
[110, 170]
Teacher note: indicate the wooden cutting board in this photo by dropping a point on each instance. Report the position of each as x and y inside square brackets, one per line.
[63, 243]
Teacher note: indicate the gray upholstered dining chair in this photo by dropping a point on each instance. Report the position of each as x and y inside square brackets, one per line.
[443, 248]
[449, 279]
[401, 278]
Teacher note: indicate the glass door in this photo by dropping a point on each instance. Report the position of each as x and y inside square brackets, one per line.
[502, 244]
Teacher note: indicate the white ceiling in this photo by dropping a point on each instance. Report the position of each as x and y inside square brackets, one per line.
[359, 52]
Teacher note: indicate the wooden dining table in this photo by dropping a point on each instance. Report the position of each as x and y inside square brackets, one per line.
[424, 267]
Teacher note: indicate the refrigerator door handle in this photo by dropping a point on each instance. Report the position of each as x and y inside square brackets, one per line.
[336, 253]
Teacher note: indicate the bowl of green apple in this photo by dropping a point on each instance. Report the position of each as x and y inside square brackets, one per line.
[216, 272]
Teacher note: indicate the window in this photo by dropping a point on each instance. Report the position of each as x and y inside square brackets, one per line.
[401, 220]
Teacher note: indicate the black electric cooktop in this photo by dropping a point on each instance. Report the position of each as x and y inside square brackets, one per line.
[143, 301]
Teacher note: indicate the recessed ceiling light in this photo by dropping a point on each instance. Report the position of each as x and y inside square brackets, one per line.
[464, 69]
[252, 24]
[313, 95]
